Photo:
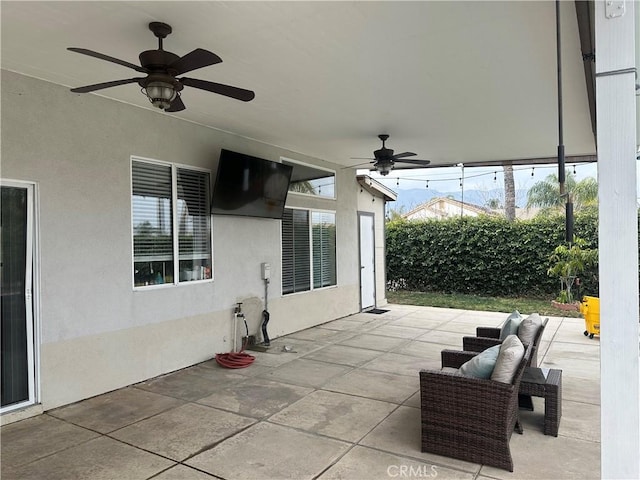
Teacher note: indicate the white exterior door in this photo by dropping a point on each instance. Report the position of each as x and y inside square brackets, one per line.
[16, 265]
[367, 261]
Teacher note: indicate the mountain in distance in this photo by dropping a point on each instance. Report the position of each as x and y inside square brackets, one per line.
[410, 198]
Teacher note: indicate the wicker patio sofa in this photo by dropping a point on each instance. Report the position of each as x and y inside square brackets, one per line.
[469, 418]
[489, 336]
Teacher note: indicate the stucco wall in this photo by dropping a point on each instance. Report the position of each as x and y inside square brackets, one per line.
[96, 332]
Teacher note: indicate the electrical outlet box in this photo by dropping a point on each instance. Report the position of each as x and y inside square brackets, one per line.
[266, 271]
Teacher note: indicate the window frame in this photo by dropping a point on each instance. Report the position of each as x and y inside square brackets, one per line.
[289, 161]
[332, 269]
[174, 166]
[311, 288]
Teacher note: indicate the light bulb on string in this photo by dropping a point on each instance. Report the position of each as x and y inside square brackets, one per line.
[460, 182]
[427, 186]
[495, 176]
[532, 171]
[398, 182]
[574, 168]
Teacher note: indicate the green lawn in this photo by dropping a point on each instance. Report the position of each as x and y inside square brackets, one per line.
[524, 305]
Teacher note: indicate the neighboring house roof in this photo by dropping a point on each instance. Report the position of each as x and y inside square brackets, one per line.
[445, 207]
[375, 187]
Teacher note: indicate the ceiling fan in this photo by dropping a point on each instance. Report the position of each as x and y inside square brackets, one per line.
[161, 68]
[384, 160]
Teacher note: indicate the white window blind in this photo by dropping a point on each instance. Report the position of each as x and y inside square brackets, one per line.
[152, 226]
[296, 254]
[170, 215]
[194, 227]
[324, 249]
[308, 250]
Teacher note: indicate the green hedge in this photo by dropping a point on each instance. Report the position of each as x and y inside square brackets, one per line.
[483, 255]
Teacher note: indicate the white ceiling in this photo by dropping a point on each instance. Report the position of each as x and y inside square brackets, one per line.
[451, 81]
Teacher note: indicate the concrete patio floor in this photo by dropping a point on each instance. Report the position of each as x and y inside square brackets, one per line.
[343, 403]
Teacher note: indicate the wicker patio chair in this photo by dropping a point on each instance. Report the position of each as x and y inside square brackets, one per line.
[488, 337]
[469, 418]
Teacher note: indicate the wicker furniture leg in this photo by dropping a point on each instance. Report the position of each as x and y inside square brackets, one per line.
[546, 383]
[553, 403]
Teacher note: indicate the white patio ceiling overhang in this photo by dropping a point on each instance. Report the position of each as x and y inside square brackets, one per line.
[471, 82]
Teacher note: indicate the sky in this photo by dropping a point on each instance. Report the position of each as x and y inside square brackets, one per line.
[448, 179]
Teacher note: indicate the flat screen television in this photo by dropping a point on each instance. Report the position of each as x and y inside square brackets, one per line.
[250, 186]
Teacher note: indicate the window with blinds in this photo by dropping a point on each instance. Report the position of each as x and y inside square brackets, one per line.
[308, 250]
[194, 225]
[171, 224]
[296, 251]
[323, 227]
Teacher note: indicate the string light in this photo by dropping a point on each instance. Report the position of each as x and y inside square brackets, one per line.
[574, 168]
[461, 182]
[449, 177]
[495, 176]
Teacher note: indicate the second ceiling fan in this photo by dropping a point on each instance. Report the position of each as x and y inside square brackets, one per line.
[384, 160]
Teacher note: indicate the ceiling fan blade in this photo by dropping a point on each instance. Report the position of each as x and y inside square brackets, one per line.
[404, 154]
[414, 162]
[361, 158]
[100, 86]
[226, 90]
[358, 164]
[193, 60]
[406, 167]
[102, 56]
[176, 105]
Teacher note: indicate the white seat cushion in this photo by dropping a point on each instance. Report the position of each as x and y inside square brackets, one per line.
[511, 353]
[528, 328]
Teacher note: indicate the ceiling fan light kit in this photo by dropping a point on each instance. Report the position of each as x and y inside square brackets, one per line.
[384, 160]
[161, 93]
[161, 86]
[383, 169]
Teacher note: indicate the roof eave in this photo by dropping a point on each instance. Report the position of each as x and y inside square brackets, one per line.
[376, 188]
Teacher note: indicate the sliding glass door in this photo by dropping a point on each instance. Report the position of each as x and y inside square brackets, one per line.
[16, 292]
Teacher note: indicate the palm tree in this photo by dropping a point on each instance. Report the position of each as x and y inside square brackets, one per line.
[509, 192]
[302, 186]
[586, 192]
[546, 193]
